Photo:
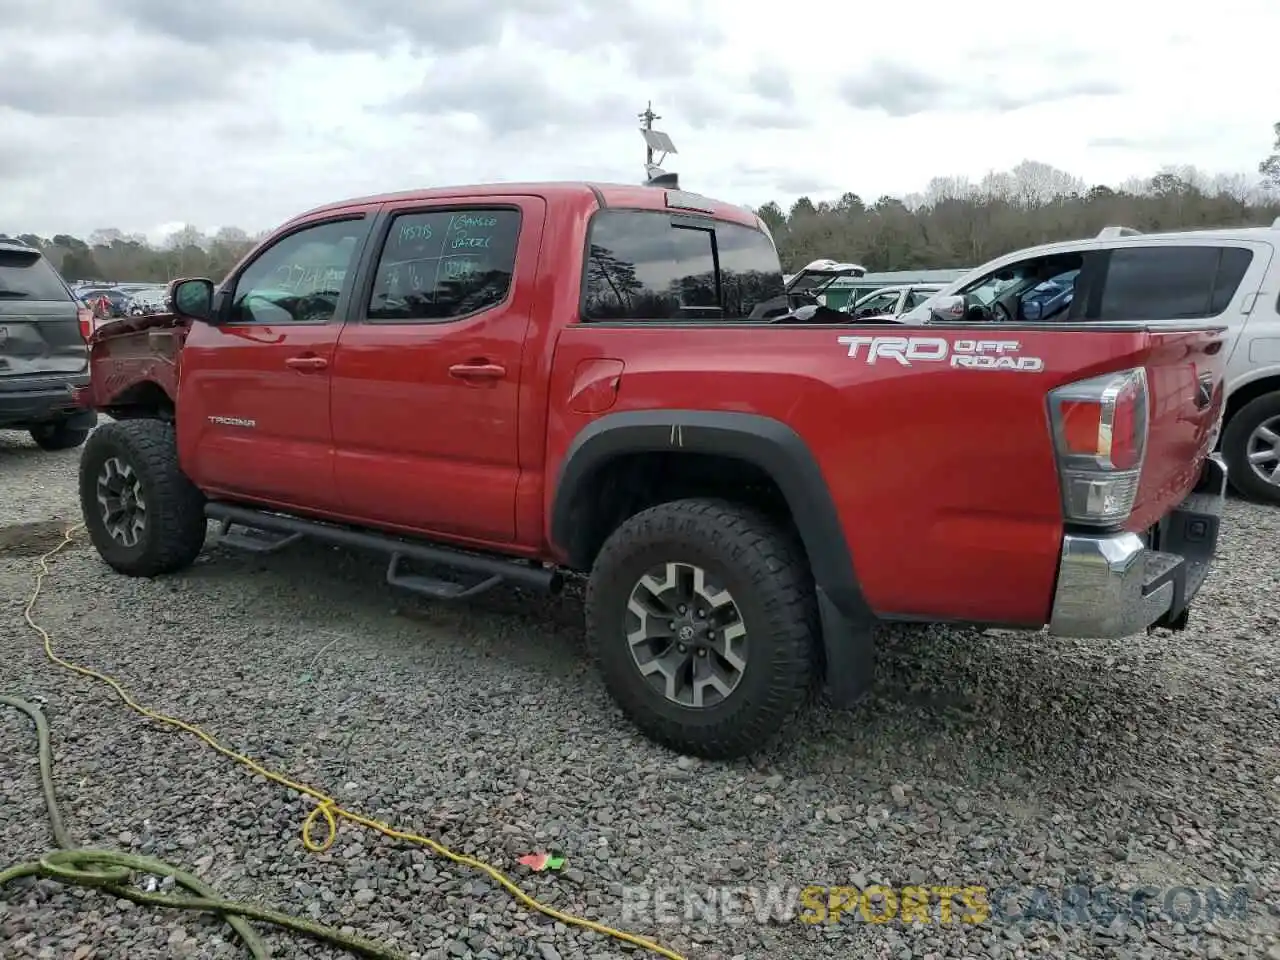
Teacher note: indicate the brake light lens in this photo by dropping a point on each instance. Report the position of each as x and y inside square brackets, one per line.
[86, 322]
[1100, 428]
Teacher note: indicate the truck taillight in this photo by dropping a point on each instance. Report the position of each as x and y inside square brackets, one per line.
[1100, 436]
[86, 323]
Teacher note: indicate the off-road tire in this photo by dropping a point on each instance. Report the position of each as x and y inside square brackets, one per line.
[175, 526]
[59, 435]
[767, 575]
[1235, 441]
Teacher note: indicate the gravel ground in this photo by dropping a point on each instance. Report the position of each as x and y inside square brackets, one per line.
[996, 760]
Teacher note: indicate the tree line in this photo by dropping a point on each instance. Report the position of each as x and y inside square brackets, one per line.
[954, 222]
[111, 254]
[957, 223]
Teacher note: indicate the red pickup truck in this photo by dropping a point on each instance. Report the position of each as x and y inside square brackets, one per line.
[519, 383]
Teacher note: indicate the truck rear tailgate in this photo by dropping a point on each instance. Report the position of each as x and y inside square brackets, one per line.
[1115, 582]
[1185, 379]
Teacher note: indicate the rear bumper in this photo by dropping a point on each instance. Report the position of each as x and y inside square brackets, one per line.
[1115, 585]
[29, 402]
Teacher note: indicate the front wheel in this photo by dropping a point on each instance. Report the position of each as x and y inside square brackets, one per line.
[143, 515]
[702, 617]
[1251, 447]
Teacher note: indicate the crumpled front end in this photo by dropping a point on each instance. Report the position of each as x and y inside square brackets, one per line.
[129, 352]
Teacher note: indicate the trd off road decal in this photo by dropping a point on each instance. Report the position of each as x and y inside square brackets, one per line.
[965, 354]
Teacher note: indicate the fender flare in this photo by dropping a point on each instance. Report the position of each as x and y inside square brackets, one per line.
[781, 453]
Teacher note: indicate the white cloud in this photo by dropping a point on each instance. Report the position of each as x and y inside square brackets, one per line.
[151, 112]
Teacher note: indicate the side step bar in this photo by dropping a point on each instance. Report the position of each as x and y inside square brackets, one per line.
[269, 532]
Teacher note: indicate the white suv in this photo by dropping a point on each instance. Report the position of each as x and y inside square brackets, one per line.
[1232, 276]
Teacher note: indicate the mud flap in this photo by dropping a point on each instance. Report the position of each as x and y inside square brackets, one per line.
[848, 647]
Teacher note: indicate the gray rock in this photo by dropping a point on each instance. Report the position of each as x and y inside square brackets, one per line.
[1007, 756]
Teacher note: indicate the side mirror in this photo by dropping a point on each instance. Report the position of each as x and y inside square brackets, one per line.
[949, 309]
[192, 299]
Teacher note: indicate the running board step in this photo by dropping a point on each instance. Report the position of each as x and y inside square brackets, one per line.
[433, 588]
[252, 540]
[269, 532]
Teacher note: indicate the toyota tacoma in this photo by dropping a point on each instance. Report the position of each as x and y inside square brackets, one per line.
[522, 383]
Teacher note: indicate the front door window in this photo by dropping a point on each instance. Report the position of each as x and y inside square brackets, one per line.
[300, 278]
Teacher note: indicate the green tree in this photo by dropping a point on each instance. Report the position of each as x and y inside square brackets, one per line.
[1270, 167]
[80, 265]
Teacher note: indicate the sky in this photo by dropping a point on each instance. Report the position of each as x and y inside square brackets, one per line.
[147, 114]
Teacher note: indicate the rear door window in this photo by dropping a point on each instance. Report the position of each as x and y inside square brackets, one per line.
[27, 275]
[654, 266]
[1171, 282]
[439, 265]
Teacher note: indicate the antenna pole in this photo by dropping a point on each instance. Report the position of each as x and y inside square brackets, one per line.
[648, 117]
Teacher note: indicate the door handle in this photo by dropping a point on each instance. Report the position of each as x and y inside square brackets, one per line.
[478, 371]
[307, 364]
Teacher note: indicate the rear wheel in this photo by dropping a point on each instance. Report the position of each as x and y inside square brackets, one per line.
[1251, 447]
[702, 618]
[60, 435]
[143, 515]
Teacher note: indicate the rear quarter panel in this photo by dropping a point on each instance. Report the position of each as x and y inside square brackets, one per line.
[944, 477]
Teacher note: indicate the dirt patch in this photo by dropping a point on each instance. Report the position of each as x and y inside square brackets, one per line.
[31, 539]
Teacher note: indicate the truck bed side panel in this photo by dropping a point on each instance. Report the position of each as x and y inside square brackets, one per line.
[944, 476]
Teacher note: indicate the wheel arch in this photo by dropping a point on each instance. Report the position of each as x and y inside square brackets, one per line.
[143, 400]
[1246, 393]
[767, 445]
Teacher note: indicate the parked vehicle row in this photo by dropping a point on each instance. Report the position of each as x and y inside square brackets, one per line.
[43, 329]
[122, 300]
[522, 383]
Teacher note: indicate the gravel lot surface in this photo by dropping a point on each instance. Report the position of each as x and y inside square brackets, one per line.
[999, 760]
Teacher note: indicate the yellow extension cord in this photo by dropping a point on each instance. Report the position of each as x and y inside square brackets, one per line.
[326, 806]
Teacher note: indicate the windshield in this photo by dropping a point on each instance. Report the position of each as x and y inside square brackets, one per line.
[882, 301]
[26, 275]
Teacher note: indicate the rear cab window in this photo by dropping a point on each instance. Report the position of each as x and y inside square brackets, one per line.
[27, 275]
[654, 265]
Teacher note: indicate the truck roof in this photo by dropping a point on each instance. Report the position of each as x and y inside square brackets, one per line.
[632, 196]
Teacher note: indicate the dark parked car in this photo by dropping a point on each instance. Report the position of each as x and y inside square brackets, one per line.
[43, 355]
[117, 299]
